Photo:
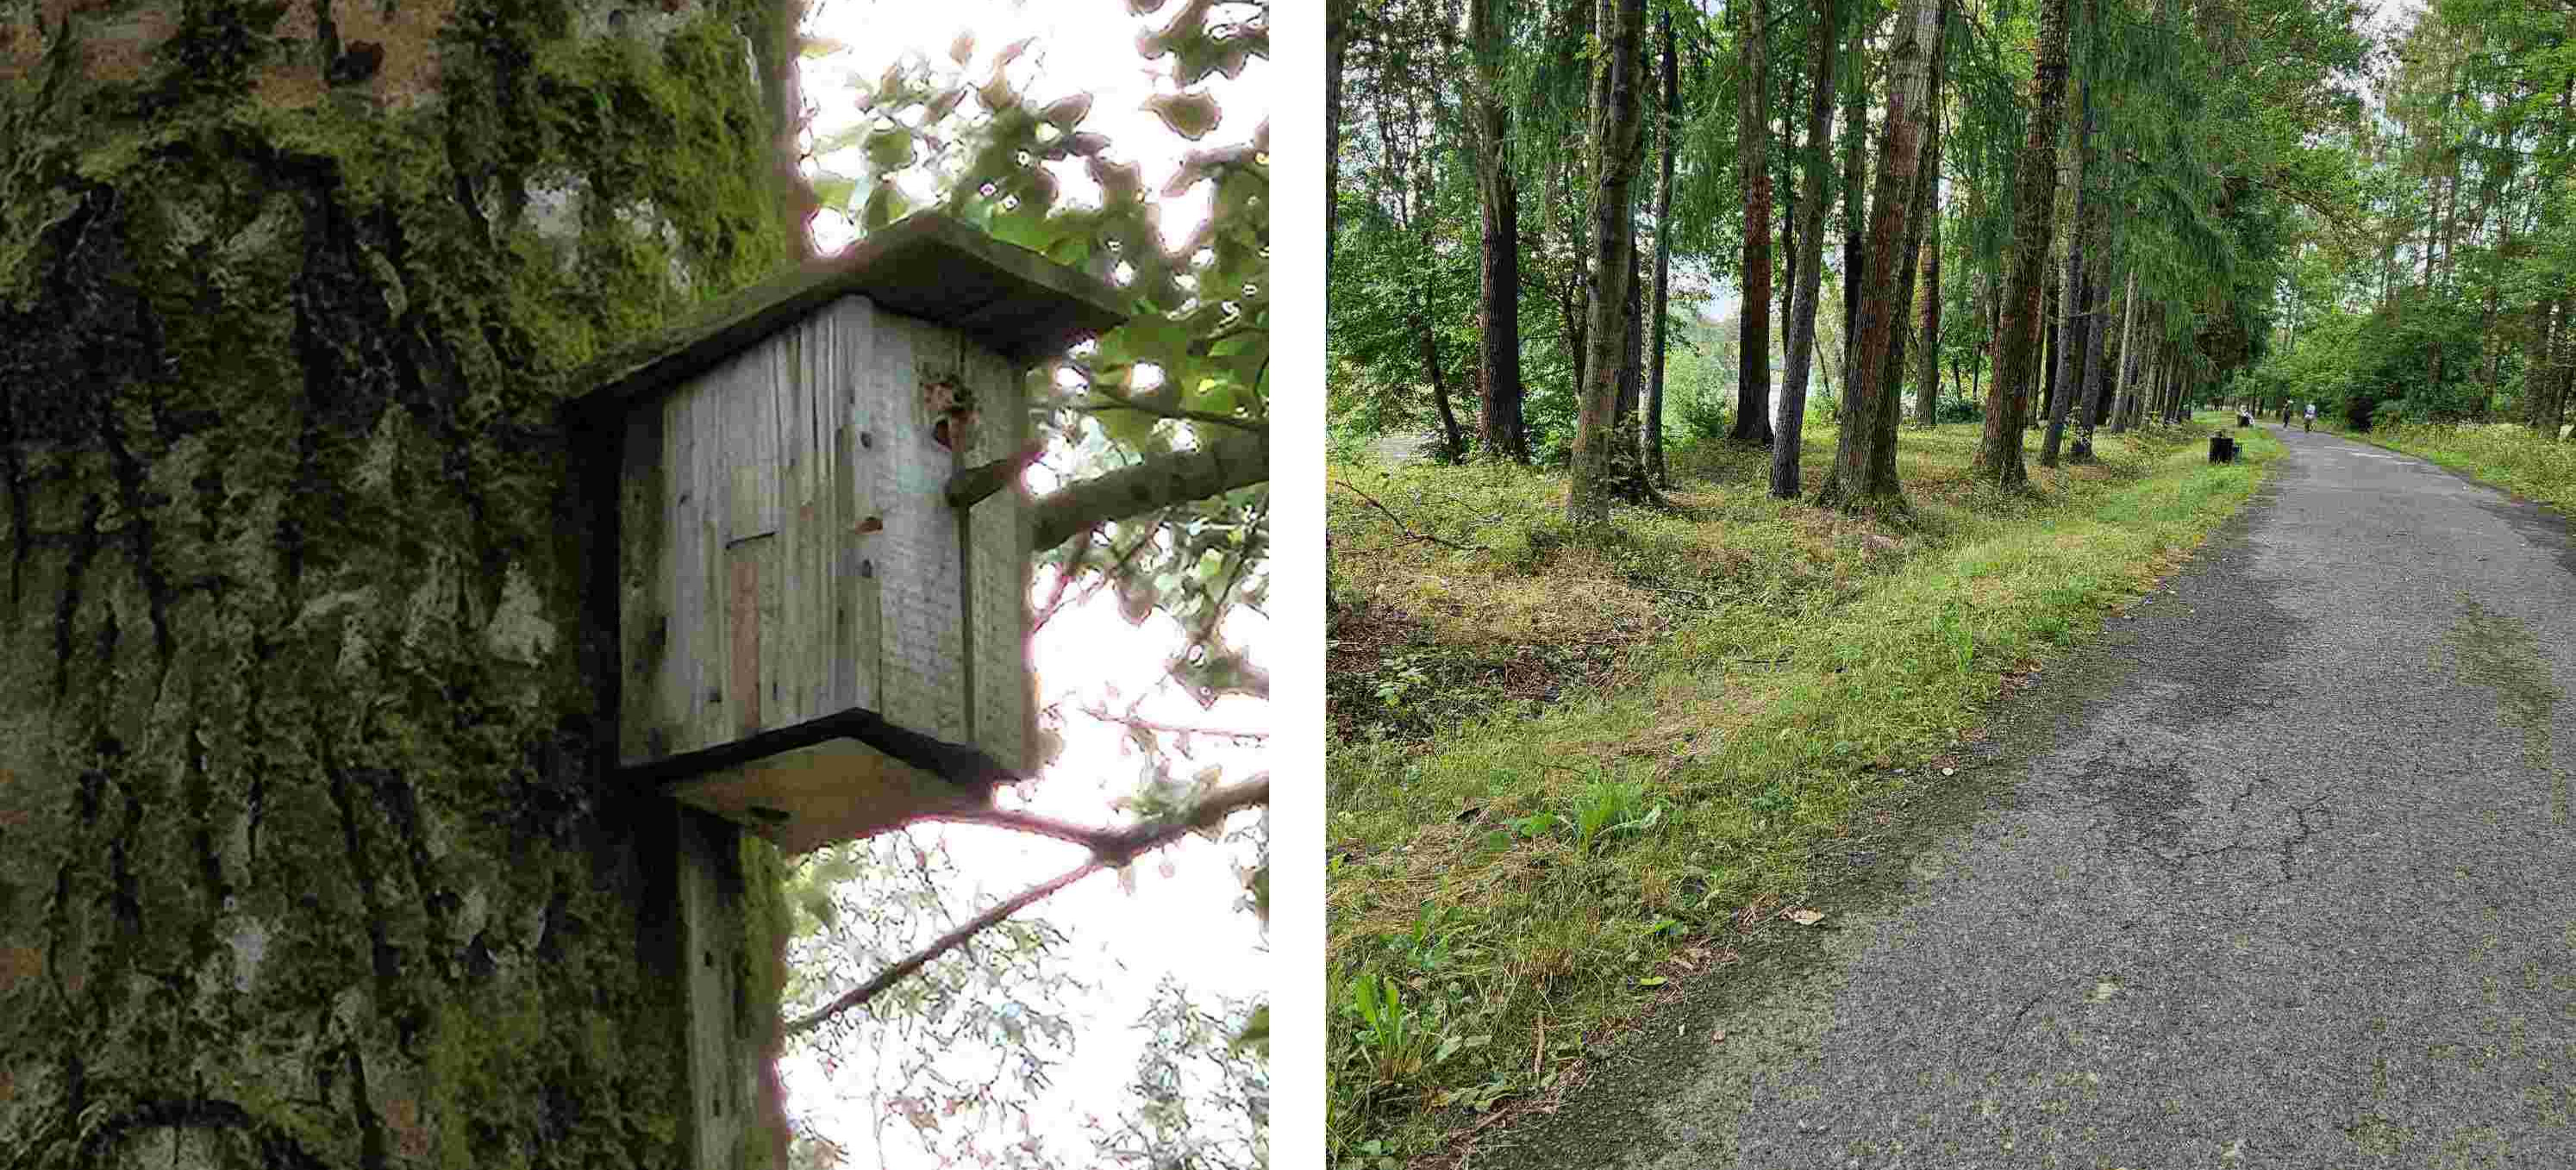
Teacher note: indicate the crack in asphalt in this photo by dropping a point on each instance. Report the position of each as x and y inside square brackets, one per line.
[2273, 874]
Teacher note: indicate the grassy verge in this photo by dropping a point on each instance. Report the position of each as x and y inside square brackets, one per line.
[2507, 455]
[1565, 770]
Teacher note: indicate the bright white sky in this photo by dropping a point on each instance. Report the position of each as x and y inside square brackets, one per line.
[1184, 924]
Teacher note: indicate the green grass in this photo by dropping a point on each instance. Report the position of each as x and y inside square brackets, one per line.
[2507, 455]
[1566, 770]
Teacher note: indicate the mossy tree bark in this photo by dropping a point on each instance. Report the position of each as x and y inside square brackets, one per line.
[308, 854]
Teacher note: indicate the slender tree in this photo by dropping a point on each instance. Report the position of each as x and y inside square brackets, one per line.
[1499, 418]
[1859, 477]
[1927, 390]
[1671, 130]
[2007, 405]
[2069, 363]
[1752, 168]
[1823, 53]
[1615, 124]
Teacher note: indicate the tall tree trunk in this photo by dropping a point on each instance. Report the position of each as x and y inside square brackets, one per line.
[2071, 330]
[1855, 200]
[310, 854]
[1615, 118]
[1753, 170]
[1891, 401]
[2127, 381]
[2097, 378]
[1337, 44]
[1499, 418]
[2051, 305]
[1663, 261]
[1927, 393]
[1858, 477]
[2007, 407]
[1785, 448]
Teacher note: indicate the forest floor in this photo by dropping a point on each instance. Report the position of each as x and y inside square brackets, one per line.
[2271, 874]
[1567, 775]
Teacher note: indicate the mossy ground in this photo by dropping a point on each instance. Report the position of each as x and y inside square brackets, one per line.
[1565, 770]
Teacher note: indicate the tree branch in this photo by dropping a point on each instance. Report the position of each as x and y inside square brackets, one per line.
[1115, 848]
[1118, 401]
[1231, 462]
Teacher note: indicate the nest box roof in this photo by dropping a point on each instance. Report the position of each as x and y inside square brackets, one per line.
[928, 265]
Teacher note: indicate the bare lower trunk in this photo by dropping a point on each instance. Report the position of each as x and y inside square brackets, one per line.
[2007, 407]
[1785, 449]
[2071, 331]
[1615, 118]
[1753, 170]
[1499, 416]
[1860, 477]
[1927, 391]
[1663, 262]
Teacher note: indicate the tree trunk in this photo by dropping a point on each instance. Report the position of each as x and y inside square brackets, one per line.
[1785, 449]
[1927, 393]
[1337, 43]
[2071, 331]
[2126, 388]
[1452, 440]
[1615, 119]
[1891, 402]
[1753, 170]
[1855, 202]
[1499, 417]
[1859, 478]
[1663, 261]
[1999, 455]
[2051, 306]
[309, 850]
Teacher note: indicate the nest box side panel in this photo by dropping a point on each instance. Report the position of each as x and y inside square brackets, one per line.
[924, 683]
[997, 569]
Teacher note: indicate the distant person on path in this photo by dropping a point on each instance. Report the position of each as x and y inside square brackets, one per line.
[2309, 423]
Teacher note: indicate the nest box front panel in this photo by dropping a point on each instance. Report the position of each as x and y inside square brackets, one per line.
[788, 552]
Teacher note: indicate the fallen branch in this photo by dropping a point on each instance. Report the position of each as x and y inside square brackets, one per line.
[1111, 848]
[1410, 534]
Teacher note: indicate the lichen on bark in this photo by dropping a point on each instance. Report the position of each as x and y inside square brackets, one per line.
[307, 856]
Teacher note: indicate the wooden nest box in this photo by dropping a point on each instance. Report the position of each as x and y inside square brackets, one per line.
[822, 546]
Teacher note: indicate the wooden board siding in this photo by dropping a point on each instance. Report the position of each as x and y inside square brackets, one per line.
[997, 576]
[788, 552]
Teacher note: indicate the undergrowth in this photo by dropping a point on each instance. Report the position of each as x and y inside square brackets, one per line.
[1567, 767]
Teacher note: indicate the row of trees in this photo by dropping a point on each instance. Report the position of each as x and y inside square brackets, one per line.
[2440, 281]
[2092, 199]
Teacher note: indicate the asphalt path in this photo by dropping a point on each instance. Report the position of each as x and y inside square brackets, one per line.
[2279, 872]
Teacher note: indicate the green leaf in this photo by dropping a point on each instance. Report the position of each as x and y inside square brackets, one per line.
[1190, 115]
[1255, 1033]
[885, 205]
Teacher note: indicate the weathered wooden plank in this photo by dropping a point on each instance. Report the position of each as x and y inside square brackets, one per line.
[684, 687]
[644, 579]
[923, 599]
[858, 539]
[997, 574]
[708, 723]
[712, 963]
